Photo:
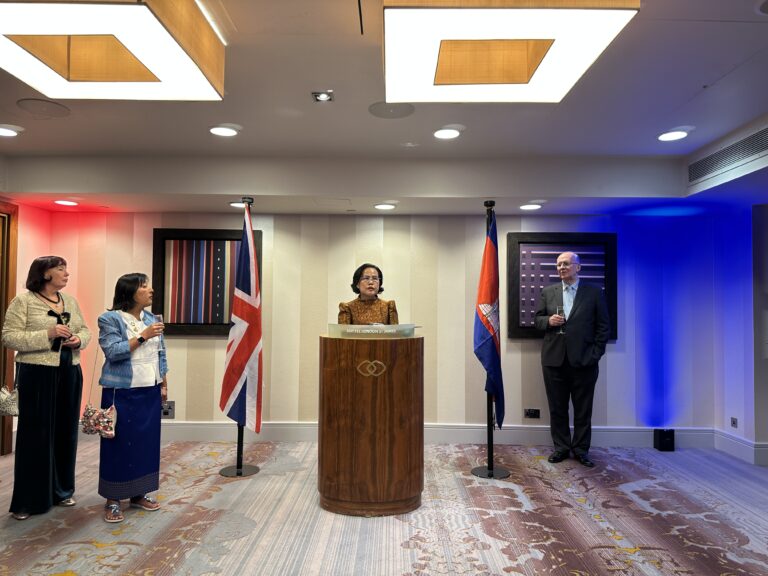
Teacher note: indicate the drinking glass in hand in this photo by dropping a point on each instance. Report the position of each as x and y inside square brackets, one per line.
[561, 312]
[159, 318]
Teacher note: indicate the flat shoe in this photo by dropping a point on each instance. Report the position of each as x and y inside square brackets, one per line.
[20, 515]
[67, 502]
[145, 503]
[113, 514]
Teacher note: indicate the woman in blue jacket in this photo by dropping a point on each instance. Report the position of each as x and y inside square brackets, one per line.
[134, 378]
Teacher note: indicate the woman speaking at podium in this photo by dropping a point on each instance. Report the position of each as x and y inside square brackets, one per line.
[368, 308]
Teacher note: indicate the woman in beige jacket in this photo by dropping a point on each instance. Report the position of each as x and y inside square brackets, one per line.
[47, 330]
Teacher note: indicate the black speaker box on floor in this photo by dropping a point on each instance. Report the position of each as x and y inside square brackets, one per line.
[664, 439]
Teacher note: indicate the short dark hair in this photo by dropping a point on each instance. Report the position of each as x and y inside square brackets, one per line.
[359, 272]
[125, 290]
[36, 278]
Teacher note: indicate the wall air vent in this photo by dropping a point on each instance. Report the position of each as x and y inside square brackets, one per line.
[730, 156]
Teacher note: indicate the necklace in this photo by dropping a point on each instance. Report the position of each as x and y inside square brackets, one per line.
[132, 320]
[57, 301]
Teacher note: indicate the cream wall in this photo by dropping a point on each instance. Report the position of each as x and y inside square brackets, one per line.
[431, 267]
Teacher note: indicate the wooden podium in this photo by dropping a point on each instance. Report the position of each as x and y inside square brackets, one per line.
[371, 428]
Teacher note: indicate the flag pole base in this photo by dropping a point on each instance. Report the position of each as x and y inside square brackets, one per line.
[235, 472]
[496, 473]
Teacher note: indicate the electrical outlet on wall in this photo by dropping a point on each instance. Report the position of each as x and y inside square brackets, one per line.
[168, 410]
[734, 422]
[532, 413]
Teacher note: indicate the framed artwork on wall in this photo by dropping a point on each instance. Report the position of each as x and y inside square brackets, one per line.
[531, 266]
[193, 276]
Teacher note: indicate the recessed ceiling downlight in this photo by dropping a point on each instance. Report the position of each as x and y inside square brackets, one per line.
[447, 133]
[226, 130]
[10, 131]
[677, 133]
[530, 207]
[384, 206]
[450, 131]
[65, 202]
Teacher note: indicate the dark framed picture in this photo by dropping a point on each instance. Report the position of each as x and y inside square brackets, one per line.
[193, 276]
[531, 258]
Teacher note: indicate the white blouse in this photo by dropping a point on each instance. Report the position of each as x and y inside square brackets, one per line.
[145, 360]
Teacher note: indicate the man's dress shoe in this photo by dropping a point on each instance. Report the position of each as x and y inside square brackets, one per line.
[585, 461]
[557, 456]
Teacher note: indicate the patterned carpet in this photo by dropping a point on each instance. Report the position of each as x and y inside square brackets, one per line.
[639, 512]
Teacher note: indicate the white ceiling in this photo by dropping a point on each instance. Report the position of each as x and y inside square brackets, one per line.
[679, 62]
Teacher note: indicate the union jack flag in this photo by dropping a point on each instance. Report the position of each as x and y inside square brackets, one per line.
[486, 336]
[241, 390]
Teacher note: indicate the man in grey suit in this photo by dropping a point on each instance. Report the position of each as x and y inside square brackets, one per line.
[573, 344]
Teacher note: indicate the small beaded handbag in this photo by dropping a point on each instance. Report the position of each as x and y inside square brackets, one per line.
[101, 421]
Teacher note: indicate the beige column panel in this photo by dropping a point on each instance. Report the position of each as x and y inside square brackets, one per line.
[342, 262]
[425, 239]
[618, 364]
[473, 393]
[756, 392]
[288, 282]
[314, 296]
[85, 262]
[369, 240]
[200, 378]
[452, 310]
[519, 376]
[176, 350]
[219, 348]
[267, 226]
[396, 265]
[143, 229]
[119, 253]
[35, 229]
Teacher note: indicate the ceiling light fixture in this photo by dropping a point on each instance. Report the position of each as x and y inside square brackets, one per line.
[449, 131]
[226, 130]
[237, 204]
[384, 206]
[530, 207]
[495, 50]
[677, 133]
[143, 50]
[323, 96]
[10, 131]
[65, 202]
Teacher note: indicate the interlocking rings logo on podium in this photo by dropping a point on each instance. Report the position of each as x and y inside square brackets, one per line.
[371, 368]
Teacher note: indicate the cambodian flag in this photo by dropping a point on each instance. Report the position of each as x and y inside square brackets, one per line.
[487, 348]
[243, 371]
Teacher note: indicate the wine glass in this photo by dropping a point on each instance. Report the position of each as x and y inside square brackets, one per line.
[561, 312]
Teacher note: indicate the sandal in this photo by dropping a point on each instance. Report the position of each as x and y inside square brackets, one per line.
[145, 503]
[67, 502]
[113, 513]
[20, 515]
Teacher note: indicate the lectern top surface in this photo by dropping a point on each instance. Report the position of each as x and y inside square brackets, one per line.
[371, 330]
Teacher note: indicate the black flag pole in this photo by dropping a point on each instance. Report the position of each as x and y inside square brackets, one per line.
[490, 471]
[240, 470]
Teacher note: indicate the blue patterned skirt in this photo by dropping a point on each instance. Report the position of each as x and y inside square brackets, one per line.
[130, 462]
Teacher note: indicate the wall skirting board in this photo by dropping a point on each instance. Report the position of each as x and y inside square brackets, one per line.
[749, 451]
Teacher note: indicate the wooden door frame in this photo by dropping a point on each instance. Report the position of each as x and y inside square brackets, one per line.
[8, 277]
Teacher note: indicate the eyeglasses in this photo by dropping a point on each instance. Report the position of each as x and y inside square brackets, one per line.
[370, 279]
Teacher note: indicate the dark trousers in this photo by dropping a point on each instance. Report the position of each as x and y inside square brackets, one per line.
[46, 438]
[565, 384]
